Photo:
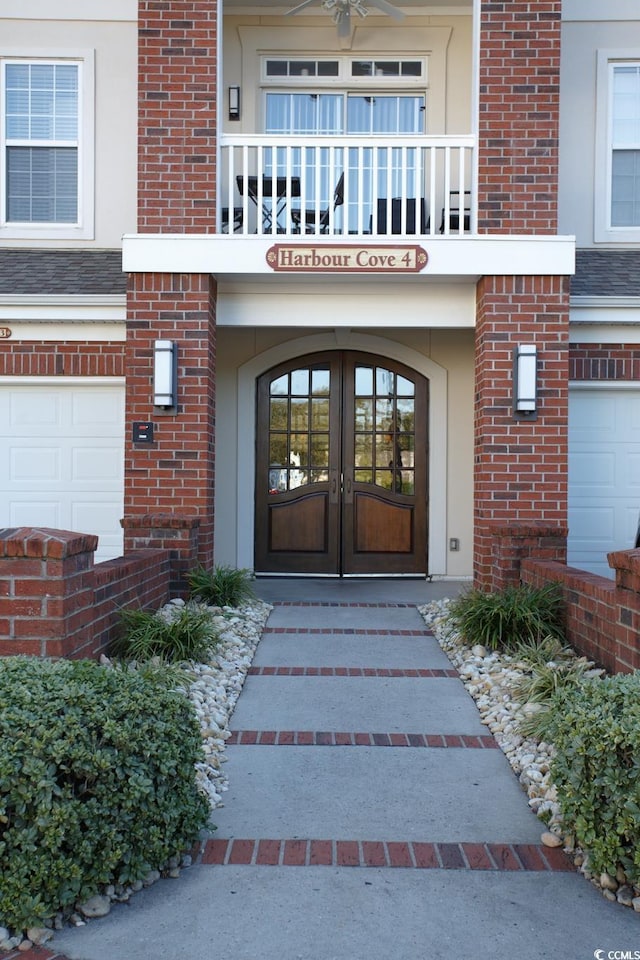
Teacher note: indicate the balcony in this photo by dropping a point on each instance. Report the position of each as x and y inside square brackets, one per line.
[328, 186]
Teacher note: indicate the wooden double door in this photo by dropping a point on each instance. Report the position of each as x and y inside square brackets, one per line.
[341, 467]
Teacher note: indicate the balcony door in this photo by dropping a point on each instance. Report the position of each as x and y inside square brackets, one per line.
[341, 467]
[392, 172]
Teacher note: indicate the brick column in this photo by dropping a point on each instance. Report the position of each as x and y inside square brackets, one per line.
[520, 466]
[175, 474]
[519, 116]
[46, 591]
[177, 74]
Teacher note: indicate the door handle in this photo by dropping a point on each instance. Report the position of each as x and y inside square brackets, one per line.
[348, 491]
[333, 487]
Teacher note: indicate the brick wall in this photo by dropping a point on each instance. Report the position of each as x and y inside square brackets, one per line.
[604, 361]
[177, 74]
[520, 465]
[54, 602]
[75, 359]
[602, 617]
[519, 112]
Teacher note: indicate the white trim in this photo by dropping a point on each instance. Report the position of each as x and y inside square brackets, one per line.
[604, 385]
[107, 10]
[75, 332]
[84, 228]
[63, 381]
[603, 232]
[597, 10]
[227, 256]
[63, 309]
[380, 346]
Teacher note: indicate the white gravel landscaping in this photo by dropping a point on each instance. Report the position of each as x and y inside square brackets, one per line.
[490, 678]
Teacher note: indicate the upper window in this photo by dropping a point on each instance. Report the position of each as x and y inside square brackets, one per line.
[617, 193]
[46, 145]
[625, 146]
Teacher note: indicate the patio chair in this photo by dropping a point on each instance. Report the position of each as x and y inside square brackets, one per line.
[308, 215]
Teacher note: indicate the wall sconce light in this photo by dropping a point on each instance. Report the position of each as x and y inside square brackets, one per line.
[525, 381]
[165, 373]
[234, 103]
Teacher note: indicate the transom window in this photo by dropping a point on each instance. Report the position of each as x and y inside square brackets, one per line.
[45, 135]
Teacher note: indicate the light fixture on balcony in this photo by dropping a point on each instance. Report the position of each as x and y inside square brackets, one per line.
[165, 373]
[341, 11]
[234, 103]
[525, 370]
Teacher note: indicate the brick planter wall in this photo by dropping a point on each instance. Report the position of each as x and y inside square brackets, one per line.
[55, 603]
[603, 616]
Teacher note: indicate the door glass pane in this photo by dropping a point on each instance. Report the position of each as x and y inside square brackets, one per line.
[280, 386]
[300, 415]
[320, 450]
[298, 456]
[278, 414]
[363, 476]
[364, 414]
[277, 450]
[364, 381]
[384, 414]
[406, 483]
[384, 382]
[320, 383]
[404, 387]
[384, 479]
[319, 414]
[406, 415]
[384, 451]
[300, 382]
[363, 451]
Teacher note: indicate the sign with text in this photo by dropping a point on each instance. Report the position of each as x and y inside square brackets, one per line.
[5, 333]
[346, 258]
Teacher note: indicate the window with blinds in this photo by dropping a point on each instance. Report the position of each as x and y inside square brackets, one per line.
[625, 144]
[41, 141]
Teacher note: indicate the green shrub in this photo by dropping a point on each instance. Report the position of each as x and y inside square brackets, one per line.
[501, 620]
[183, 633]
[222, 586]
[97, 782]
[596, 732]
[541, 685]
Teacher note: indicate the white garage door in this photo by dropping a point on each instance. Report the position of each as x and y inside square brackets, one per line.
[604, 474]
[62, 462]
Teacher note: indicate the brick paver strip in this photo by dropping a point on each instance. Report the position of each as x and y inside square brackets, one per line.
[504, 856]
[399, 854]
[346, 738]
[295, 853]
[451, 856]
[498, 857]
[241, 852]
[321, 853]
[426, 673]
[268, 853]
[215, 851]
[426, 856]
[478, 856]
[347, 853]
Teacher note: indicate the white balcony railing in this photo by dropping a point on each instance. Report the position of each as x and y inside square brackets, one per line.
[329, 186]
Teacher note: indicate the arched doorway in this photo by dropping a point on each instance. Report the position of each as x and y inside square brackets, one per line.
[341, 467]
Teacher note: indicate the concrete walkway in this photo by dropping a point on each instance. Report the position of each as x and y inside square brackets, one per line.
[370, 816]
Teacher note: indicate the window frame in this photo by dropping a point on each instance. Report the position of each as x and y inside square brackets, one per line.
[604, 231]
[83, 228]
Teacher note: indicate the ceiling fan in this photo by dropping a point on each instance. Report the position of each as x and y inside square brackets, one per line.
[341, 11]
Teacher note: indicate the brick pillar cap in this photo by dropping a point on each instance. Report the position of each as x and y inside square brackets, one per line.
[529, 529]
[625, 560]
[43, 542]
[161, 521]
